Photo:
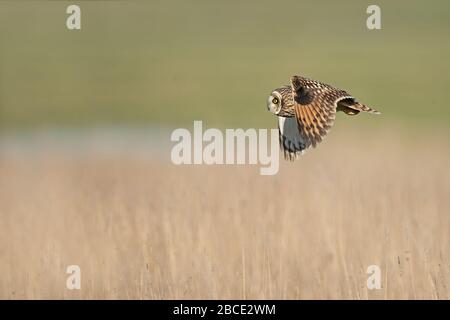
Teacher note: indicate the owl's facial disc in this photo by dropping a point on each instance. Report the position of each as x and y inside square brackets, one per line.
[274, 102]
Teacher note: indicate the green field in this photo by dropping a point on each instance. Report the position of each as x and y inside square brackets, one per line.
[172, 62]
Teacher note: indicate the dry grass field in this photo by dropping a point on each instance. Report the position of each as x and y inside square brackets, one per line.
[140, 227]
[375, 192]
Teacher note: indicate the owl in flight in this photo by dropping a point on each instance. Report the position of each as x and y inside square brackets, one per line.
[306, 110]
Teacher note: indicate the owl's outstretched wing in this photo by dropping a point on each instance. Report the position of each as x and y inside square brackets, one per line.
[315, 110]
[291, 142]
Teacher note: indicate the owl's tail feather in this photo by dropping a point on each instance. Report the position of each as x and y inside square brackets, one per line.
[347, 110]
[362, 107]
[353, 108]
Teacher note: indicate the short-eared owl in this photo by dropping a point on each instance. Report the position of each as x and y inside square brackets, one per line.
[306, 110]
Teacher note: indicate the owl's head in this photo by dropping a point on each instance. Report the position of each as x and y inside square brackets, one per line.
[274, 102]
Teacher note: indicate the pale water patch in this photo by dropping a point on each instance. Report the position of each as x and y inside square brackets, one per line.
[152, 142]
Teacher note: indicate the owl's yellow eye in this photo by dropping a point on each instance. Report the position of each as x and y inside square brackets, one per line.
[275, 101]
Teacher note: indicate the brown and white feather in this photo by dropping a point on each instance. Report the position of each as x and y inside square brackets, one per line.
[314, 105]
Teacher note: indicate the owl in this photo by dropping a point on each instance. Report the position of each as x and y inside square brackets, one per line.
[306, 110]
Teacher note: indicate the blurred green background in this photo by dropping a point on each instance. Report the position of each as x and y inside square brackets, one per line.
[168, 63]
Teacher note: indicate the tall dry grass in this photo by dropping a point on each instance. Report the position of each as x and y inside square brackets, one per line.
[149, 230]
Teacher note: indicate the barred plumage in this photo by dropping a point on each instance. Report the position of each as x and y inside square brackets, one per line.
[306, 110]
